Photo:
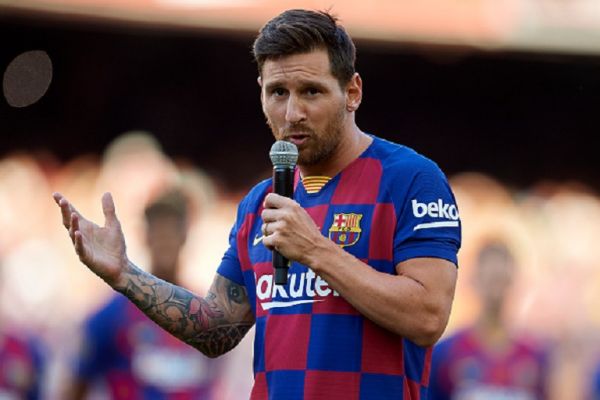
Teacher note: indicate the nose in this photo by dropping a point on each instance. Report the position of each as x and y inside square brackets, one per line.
[295, 111]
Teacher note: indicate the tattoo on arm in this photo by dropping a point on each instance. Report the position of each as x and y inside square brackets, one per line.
[214, 324]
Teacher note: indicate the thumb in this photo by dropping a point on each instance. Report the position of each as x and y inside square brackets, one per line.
[108, 208]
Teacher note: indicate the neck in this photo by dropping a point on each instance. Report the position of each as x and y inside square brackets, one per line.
[167, 274]
[352, 144]
[491, 328]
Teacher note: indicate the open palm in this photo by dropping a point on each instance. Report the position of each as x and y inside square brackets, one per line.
[102, 249]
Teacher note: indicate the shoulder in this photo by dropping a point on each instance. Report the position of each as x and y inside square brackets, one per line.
[400, 162]
[403, 168]
[255, 196]
[406, 171]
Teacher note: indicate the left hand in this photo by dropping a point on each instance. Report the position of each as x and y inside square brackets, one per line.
[289, 229]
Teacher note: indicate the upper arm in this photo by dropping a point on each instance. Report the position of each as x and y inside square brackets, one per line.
[231, 299]
[428, 223]
[438, 278]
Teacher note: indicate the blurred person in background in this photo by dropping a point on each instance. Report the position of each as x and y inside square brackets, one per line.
[373, 234]
[594, 388]
[22, 362]
[486, 361]
[126, 355]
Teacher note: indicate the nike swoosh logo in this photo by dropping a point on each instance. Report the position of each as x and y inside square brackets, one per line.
[257, 240]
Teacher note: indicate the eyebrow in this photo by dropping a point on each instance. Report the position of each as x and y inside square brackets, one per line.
[302, 84]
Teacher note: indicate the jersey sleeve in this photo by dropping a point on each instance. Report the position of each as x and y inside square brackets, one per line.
[428, 223]
[248, 210]
[230, 266]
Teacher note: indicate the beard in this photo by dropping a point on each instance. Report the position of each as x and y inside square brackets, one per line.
[319, 146]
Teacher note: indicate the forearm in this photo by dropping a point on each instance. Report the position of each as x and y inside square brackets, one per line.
[402, 304]
[203, 323]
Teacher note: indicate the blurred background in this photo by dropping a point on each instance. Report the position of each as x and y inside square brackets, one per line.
[131, 96]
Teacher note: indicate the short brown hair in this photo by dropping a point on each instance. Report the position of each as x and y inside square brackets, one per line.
[172, 202]
[302, 31]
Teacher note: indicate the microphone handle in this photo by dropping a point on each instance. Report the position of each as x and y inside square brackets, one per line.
[283, 184]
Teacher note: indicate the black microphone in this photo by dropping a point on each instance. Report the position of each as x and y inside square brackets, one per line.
[284, 156]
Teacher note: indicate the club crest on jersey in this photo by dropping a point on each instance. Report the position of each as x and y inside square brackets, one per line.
[345, 229]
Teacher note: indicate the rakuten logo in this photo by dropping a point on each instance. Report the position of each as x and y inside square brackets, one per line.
[301, 286]
[435, 209]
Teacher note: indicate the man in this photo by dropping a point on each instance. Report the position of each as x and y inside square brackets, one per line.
[21, 365]
[487, 361]
[372, 233]
[23, 362]
[126, 354]
[595, 383]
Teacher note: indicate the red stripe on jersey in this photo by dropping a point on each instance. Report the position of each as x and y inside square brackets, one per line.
[427, 367]
[297, 178]
[383, 226]
[367, 171]
[260, 390]
[411, 390]
[286, 342]
[318, 214]
[382, 351]
[333, 305]
[243, 242]
[332, 385]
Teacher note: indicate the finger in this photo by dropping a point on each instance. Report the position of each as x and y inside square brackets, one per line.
[73, 226]
[271, 214]
[108, 208]
[269, 242]
[273, 200]
[57, 196]
[66, 208]
[74, 222]
[78, 242]
[273, 228]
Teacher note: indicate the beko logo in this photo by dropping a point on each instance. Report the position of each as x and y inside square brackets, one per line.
[435, 209]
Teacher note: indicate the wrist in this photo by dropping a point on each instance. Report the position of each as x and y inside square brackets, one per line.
[121, 280]
[322, 254]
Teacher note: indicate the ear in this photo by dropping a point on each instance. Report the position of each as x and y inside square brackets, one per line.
[259, 81]
[354, 93]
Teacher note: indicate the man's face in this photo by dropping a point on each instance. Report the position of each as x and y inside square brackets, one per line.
[304, 104]
[165, 237]
[494, 277]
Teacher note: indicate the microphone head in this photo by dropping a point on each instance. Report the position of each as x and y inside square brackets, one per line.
[283, 154]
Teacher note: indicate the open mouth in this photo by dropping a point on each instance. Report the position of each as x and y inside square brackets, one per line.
[297, 138]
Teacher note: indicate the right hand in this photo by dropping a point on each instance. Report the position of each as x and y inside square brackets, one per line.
[102, 249]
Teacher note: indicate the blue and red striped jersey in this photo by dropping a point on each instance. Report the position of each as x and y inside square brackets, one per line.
[21, 363]
[389, 205]
[595, 386]
[125, 355]
[465, 368]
